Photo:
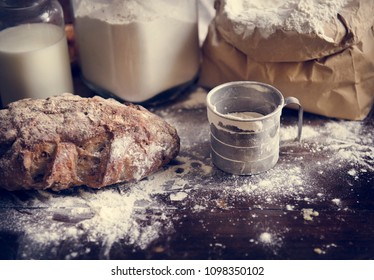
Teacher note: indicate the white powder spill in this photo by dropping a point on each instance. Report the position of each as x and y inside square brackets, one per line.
[265, 237]
[138, 215]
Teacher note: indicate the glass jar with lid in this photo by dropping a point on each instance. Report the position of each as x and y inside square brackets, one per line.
[34, 57]
[137, 51]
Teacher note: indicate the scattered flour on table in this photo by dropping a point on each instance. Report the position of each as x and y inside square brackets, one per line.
[265, 237]
[115, 214]
[105, 216]
[344, 147]
[141, 213]
[302, 16]
[195, 100]
[270, 239]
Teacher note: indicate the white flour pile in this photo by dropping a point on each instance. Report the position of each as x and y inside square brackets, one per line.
[119, 11]
[140, 214]
[303, 16]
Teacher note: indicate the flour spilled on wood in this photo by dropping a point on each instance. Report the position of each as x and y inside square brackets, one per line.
[266, 237]
[141, 214]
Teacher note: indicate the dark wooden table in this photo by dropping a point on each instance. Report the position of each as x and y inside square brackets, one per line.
[316, 203]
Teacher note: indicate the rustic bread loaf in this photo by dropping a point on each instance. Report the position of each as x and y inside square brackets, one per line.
[67, 140]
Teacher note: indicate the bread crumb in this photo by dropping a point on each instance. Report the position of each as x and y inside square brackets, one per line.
[337, 201]
[289, 207]
[309, 213]
[352, 172]
[179, 196]
[319, 251]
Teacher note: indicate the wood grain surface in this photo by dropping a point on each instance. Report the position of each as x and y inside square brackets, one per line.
[316, 203]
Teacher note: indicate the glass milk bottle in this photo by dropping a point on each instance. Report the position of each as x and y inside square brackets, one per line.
[136, 50]
[34, 58]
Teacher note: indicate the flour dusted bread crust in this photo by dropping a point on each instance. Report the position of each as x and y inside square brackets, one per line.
[67, 140]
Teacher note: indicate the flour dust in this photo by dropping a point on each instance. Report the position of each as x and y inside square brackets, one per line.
[139, 215]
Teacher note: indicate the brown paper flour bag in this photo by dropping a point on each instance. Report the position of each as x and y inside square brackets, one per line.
[340, 84]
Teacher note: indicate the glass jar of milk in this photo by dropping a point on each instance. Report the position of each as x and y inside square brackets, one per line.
[34, 58]
[136, 50]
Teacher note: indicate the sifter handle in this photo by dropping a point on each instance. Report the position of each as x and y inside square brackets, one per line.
[294, 100]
